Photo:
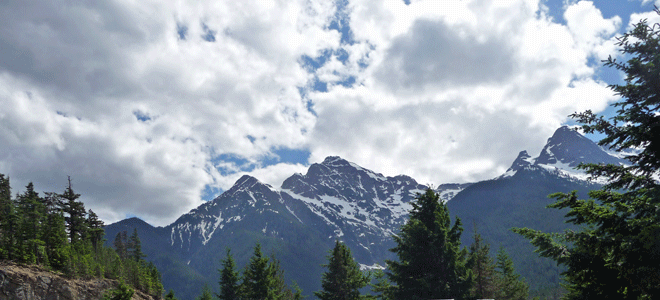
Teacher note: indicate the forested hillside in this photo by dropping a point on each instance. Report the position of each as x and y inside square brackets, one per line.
[56, 232]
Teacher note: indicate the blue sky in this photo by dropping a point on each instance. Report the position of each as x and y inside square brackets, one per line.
[153, 107]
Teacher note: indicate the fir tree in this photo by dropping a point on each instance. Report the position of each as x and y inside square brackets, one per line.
[483, 268]
[120, 245]
[431, 263]
[32, 210]
[170, 295]
[258, 281]
[614, 255]
[510, 285]
[75, 214]
[135, 247]
[343, 280]
[206, 293]
[229, 287]
[96, 231]
[8, 221]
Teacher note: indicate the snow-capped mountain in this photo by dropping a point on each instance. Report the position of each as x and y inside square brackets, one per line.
[564, 151]
[337, 199]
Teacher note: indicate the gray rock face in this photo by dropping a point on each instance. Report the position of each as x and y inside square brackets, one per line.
[33, 283]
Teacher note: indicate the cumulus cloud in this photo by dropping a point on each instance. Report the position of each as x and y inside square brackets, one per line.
[147, 104]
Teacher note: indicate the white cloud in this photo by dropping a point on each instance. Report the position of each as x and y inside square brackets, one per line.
[444, 91]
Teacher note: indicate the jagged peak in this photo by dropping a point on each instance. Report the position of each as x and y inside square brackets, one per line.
[334, 161]
[523, 160]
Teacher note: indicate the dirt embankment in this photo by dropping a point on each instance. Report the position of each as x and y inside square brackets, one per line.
[18, 282]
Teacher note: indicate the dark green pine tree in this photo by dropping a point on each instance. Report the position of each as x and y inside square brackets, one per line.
[32, 209]
[483, 269]
[170, 295]
[258, 281]
[120, 245]
[343, 280]
[206, 293]
[56, 241]
[9, 221]
[135, 247]
[229, 287]
[95, 231]
[75, 214]
[431, 263]
[614, 255]
[510, 286]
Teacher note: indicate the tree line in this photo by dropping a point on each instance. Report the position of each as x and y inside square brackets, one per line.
[431, 265]
[56, 232]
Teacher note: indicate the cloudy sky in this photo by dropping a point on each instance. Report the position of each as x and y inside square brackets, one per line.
[154, 106]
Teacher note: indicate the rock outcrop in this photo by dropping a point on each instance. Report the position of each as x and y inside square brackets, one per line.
[18, 282]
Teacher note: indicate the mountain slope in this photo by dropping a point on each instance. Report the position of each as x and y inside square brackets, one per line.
[336, 199]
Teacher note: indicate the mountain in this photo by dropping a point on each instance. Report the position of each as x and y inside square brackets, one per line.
[519, 197]
[337, 199]
[297, 223]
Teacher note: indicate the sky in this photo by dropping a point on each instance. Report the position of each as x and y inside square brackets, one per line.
[155, 106]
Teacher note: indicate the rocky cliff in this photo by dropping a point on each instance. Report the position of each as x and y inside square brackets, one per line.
[19, 282]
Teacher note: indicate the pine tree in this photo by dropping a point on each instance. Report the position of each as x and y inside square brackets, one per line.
[614, 255]
[343, 280]
[510, 285]
[206, 293]
[257, 280]
[120, 245]
[170, 295]
[483, 268]
[32, 210]
[75, 214]
[229, 287]
[431, 263]
[9, 220]
[382, 288]
[135, 247]
[96, 232]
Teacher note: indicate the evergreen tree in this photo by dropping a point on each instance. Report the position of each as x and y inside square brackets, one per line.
[229, 287]
[75, 214]
[382, 288]
[170, 295]
[258, 282]
[343, 280]
[120, 245]
[510, 285]
[135, 247]
[96, 231]
[483, 268]
[206, 293]
[615, 253]
[32, 210]
[431, 263]
[9, 220]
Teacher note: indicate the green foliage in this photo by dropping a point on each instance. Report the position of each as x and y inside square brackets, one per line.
[122, 292]
[382, 287]
[509, 286]
[170, 295]
[206, 293]
[52, 231]
[615, 253]
[229, 287]
[483, 269]
[343, 280]
[431, 263]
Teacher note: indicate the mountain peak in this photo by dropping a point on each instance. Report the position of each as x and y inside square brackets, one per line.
[523, 160]
[334, 160]
[569, 147]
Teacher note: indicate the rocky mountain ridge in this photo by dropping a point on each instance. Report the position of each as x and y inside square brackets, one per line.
[337, 199]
